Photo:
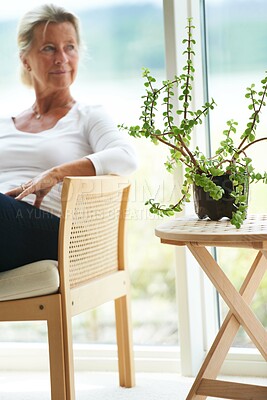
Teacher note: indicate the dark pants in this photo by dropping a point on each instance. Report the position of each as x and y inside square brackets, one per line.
[27, 234]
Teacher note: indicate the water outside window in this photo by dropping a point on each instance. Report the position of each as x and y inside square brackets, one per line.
[237, 57]
[121, 38]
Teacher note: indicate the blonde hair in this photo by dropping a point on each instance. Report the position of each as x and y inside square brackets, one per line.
[45, 13]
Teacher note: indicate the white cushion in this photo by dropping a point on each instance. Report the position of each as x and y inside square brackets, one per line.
[31, 280]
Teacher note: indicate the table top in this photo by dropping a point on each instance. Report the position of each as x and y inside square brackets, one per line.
[180, 231]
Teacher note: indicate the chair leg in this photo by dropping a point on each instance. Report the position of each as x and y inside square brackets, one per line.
[124, 340]
[68, 353]
[56, 352]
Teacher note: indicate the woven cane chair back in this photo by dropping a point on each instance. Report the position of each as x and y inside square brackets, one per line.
[93, 220]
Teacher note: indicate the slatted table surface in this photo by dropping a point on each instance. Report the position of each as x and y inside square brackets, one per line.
[253, 232]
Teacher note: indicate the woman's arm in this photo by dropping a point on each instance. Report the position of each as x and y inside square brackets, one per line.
[43, 183]
[112, 151]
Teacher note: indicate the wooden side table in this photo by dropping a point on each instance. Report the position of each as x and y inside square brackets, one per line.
[197, 235]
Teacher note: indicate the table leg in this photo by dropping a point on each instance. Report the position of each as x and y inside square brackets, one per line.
[221, 345]
[233, 299]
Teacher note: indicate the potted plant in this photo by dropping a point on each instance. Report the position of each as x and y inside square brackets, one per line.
[220, 182]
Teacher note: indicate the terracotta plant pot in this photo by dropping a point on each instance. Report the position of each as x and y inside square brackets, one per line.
[205, 206]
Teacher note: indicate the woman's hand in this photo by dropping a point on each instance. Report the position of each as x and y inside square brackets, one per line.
[40, 186]
[43, 183]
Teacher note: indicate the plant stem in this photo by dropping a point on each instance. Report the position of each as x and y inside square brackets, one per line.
[175, 148]
[188, 68]
[250, 144]
[256, 113]
[177, 80]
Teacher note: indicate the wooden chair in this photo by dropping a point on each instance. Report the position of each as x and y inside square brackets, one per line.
[91, 270]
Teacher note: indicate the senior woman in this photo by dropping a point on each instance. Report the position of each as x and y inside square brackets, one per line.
[56, 137]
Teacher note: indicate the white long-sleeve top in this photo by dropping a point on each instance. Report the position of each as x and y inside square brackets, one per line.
[85, 131]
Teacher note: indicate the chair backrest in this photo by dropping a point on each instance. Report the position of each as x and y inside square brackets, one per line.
[91, 236]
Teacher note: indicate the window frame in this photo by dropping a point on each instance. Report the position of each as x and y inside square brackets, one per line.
[193, 289]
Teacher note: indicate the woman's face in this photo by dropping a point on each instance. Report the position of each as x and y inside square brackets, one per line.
[53, 57]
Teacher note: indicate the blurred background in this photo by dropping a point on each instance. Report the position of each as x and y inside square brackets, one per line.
[120, 38]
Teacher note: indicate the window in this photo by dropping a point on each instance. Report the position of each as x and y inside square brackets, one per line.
[236, 43]
[219, 35]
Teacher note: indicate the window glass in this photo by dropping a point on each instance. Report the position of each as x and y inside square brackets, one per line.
[120, 38]
[236, 34]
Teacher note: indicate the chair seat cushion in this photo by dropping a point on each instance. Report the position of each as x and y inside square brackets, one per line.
[31, 280]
